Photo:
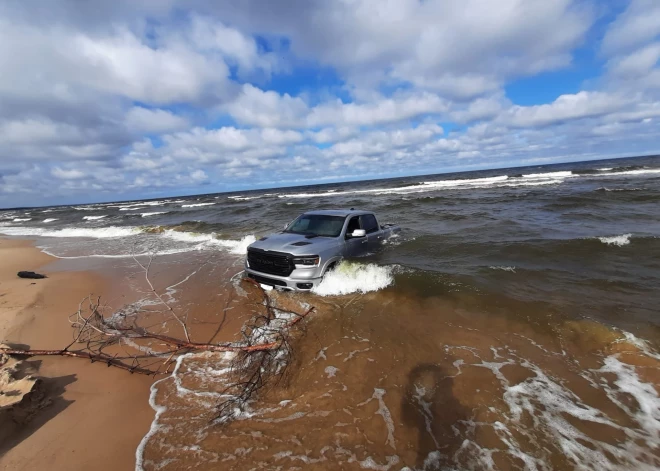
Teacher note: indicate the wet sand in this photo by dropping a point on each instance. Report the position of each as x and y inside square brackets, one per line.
[98, 415]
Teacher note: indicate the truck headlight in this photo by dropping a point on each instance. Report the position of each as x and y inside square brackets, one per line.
[310, 261]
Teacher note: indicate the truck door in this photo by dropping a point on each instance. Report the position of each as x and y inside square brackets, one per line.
[374, 234]
[358, 246]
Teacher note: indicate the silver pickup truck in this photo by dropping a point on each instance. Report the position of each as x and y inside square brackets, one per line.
[315, 242]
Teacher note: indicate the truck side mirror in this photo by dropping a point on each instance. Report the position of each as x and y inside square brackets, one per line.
[285, 226]
[359, 233]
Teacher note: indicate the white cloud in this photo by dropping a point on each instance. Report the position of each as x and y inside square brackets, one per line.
[381, 142]
[564, 108]
[636, 64]
[457, 47]
[71, 174]
[122, 64]
[638, 24]
[38, 132]
[199, 176]
[385, 110]
[139, 119]
[237, 48]
[145, 96]
[256, 107]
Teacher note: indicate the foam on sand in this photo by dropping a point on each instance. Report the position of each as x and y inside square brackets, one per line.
[619, 241]
[351, 277]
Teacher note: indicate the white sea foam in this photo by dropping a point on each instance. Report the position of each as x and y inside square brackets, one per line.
[196, 205]
[156, 253]
[532, 179]
[159, 409]
[351, 277]
[146, 215]
[137, 205]
[94, 218]
[602, 188]
[647, 412]
[564, 174]
[607, 169]
[22, 219]
[642, 171]
[331, 371]
[96, 233]
[619, 241]
[238, 247]
[503, 268]
[554, 410]
[245, 198]
[50, 219]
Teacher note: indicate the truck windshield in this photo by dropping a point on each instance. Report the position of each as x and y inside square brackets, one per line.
[320, 225]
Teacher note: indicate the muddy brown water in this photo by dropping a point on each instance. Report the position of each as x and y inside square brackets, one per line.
[389, 381]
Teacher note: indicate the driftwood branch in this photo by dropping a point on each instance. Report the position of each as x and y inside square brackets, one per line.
[122, 339]
[94, 333]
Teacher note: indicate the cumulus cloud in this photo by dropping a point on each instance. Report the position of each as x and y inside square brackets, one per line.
[638, 24]
[149, 97]
[141, 119]
[459, 47]
[71, 174]
[564, 108]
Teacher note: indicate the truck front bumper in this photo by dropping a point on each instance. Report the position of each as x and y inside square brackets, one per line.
[292, 283]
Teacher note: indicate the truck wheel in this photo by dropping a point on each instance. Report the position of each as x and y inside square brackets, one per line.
[331, 267]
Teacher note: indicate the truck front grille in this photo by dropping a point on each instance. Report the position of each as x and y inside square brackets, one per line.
[270, 262]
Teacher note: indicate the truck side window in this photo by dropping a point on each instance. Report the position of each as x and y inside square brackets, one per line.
[369, 223]
[353, 224]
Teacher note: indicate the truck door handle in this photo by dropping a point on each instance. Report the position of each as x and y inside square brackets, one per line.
[365, 241]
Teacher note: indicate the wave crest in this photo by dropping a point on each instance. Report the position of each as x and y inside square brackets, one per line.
[619, 240]
[351, 277]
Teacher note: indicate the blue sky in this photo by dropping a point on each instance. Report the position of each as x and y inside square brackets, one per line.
[147, 98]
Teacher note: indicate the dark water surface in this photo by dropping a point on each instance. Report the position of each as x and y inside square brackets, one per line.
[513, 324]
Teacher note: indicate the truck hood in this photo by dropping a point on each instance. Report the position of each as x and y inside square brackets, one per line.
[295, 244]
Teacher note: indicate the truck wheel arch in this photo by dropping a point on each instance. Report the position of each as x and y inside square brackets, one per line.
[331, 266]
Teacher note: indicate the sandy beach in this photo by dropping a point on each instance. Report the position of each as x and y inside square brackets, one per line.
[97, 415]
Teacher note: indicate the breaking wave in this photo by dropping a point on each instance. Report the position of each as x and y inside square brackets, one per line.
[619, 241]
[503, 268]
[505, 181]
[238, 247]
[351, 277]
[146, 215]
[196, 205]
[96, 233]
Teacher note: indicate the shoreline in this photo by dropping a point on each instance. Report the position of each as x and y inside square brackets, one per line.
[97, 416]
